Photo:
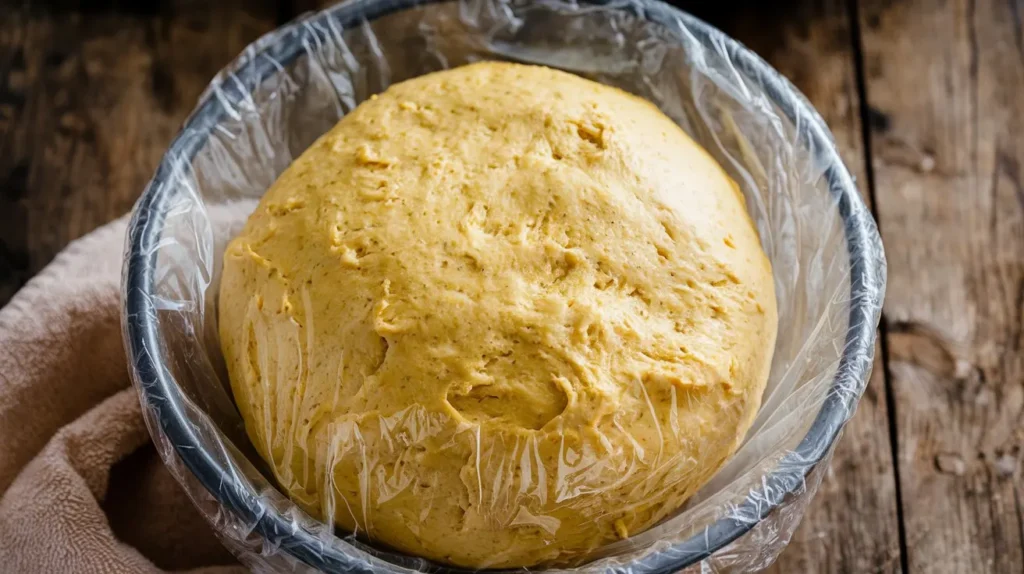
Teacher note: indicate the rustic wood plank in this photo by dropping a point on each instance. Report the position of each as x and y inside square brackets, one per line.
[852, 525]
[89, 99]
[946, 83]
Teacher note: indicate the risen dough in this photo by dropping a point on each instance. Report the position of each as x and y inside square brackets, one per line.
[498, 316]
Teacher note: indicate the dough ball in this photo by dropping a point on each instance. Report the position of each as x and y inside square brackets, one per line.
[498, 316]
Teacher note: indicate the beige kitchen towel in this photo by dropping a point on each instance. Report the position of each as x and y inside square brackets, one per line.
[83, 488]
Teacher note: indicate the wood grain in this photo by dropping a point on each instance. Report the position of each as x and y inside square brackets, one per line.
[89, 99]
[945, 81]
[852, 524]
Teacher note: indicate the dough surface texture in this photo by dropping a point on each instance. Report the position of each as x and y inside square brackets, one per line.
[498, 316]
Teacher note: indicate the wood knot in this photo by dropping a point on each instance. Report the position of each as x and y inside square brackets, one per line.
[920, 345]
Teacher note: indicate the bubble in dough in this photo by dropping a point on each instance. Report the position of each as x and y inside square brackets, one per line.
[498, 316]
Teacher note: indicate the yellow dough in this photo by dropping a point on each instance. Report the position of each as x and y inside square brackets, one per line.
[498, 316]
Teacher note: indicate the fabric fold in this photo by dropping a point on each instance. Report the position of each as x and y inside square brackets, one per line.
[83, 488]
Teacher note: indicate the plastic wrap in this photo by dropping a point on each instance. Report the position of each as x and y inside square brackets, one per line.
[295, 83]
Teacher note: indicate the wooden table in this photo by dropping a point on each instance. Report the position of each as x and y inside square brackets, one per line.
[926, 100]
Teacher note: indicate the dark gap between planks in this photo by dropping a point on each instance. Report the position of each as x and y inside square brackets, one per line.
[866, 124]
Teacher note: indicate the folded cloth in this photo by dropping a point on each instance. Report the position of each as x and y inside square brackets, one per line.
[83, 488]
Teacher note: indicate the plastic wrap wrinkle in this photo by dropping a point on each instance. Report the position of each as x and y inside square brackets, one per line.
[293, 84]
